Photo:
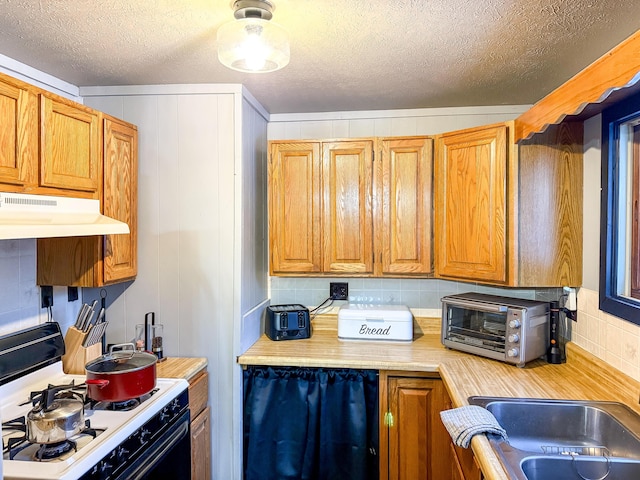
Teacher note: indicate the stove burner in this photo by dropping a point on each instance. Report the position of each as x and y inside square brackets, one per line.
[13, 444]
[123, 406]
[68, 390]
[46, 451]
[51, 451]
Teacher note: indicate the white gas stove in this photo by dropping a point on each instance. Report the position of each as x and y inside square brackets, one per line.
[119, 443]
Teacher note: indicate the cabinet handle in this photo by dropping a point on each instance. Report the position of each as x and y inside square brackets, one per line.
[388, 419]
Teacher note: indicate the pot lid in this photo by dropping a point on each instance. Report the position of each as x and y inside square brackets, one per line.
[121, 361]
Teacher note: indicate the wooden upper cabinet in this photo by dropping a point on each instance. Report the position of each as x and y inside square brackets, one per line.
[405, 201]
[506, 213]
[471, 204]
[347, 188]
[549, 175]
[69, 145]
[335, 209]
[18, 135]
[104, 259]
[294, 207]
[120, 198]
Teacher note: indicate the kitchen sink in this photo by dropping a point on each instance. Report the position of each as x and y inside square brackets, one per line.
[564, 439]
[580, 468]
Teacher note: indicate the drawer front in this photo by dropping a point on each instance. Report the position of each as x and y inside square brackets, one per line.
[198, 394]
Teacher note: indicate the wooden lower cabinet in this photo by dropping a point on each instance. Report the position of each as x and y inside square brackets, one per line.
[200, 427]
[201, 446]
[463, 463]
[414, 443]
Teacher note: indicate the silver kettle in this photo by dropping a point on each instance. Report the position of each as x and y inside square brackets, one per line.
[55, 419]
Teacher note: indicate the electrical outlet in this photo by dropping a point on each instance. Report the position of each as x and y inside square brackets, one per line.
[339, 290]
[571, 302]
[46, 295]
[72, 294]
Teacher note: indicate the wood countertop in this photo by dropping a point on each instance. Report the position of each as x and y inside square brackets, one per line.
[180, 367]
[582, 377]
[324, 349]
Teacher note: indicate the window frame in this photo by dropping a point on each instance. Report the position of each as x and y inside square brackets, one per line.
[610, 301]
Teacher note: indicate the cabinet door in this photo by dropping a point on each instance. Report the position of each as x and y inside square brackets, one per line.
[294, 208]
[464, 466]
[120, 199]
[201, 446]
[417, 442]
[70, 146]
[347, 188]
[463, 463]
[96, 261]
[18, 135]
[470, 204]
[406, 205]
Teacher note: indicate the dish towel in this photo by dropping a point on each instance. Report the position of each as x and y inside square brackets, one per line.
[465, 422]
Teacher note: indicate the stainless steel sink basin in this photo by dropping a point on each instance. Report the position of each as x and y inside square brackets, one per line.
[549, 438]
[580, 468]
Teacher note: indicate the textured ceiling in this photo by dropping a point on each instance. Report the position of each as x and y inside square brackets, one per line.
[345, 54]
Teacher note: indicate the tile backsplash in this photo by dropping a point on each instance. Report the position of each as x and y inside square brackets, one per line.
[423, 294]
[610, 338]
[19, 294]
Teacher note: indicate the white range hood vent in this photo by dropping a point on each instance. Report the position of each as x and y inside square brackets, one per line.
[44, 216]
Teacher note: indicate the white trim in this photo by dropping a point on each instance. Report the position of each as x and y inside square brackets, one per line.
[172, 89]
[38, 78]
[177, 89]
[417, 112]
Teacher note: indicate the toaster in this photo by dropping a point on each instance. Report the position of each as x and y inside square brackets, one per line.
[287, 322]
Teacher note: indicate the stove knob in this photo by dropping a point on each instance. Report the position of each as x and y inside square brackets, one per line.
[175, 405]
[514, 338]
[144, 434]
[122, 454]
[515, 323]
[513, 352]
[105, 467]
[164, 414]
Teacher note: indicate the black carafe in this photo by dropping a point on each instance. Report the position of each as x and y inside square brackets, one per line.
[554, 352]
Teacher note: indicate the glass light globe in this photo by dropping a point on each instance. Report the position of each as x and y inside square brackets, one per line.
[253, 45]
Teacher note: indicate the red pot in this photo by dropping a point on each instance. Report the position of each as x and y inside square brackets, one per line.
[121, 375]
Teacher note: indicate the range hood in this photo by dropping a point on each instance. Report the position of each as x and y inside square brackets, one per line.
[44, 216]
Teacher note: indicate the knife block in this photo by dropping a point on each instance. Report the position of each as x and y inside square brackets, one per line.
[76, 356]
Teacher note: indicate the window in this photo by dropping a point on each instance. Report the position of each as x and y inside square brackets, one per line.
[620, 226]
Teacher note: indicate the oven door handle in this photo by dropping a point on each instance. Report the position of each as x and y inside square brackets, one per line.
[163, 445]
[479, 306]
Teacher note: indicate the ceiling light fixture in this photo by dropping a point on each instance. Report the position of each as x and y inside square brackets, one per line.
[252, 43]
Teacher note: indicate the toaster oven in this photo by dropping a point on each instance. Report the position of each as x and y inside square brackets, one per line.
[512, 330]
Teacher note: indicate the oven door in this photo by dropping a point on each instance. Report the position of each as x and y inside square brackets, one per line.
[476, 324]
[169, 456]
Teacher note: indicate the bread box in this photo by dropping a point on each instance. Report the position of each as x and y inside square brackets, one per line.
[375, 322]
